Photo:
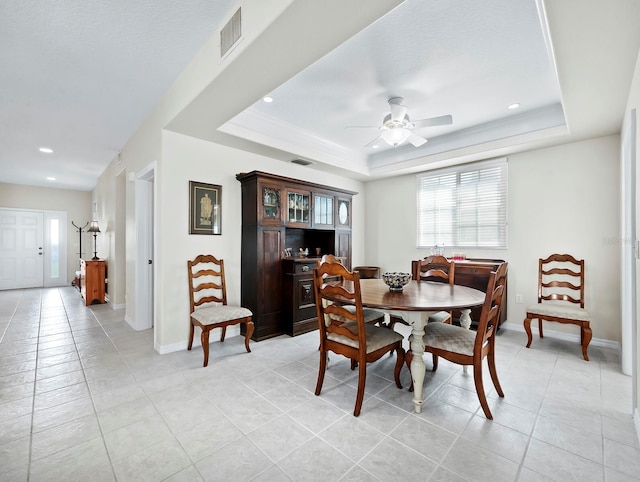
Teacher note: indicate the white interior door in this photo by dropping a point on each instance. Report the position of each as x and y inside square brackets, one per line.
[145, 233]
[21, 249]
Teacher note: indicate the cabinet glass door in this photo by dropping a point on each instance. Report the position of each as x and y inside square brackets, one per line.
[322, 210]
[270, 203]
[298, 208]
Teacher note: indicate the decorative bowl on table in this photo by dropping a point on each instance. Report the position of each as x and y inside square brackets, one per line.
[396, 281]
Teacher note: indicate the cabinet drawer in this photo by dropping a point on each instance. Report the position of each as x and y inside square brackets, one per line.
[305, 267]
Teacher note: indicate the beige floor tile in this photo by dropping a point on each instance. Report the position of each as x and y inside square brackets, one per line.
[254, 416]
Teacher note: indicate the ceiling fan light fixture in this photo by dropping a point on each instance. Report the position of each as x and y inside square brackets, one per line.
[395, 136]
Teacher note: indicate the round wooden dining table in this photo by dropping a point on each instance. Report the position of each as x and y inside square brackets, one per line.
[414, 303]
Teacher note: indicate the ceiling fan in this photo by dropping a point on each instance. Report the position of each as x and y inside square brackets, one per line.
[396, 126]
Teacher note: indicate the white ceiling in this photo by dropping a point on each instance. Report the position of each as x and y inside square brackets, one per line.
[467, 59]
[81, 77]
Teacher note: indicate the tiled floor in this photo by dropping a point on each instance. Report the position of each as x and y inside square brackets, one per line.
[83, 397]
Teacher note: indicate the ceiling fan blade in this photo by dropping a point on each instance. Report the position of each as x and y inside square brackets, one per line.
[398, 112]
[416, 140]
[443, 120]
[373, 141]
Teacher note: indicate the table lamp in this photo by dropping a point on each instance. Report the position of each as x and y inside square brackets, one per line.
[93, 228]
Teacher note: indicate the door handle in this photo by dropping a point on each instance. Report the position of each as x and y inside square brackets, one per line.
[150, 261]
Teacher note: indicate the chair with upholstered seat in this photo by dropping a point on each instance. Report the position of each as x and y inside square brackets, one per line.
[560, 297]
[436, 268]
[431, 268]
[374, 317]
[466, 347]
[208, 303]
[344, 331]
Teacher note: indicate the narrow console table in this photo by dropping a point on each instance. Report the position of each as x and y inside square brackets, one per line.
[92, 281]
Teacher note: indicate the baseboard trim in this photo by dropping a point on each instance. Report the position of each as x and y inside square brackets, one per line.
[164, 349]
[128, 319]
[108, 301]
[561, 335]
[232, 331]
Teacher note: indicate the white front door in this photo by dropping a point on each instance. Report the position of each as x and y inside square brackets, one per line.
[21, 249]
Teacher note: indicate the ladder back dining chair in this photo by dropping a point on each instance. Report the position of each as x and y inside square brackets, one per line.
[561, 297]
[467, 347]
[344, 331]
[208, 303]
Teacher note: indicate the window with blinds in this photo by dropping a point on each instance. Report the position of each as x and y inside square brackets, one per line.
[465, 206]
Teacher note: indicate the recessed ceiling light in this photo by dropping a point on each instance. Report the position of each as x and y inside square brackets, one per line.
[49, 178]
[46, 150]
[267, 99]
[513, 106]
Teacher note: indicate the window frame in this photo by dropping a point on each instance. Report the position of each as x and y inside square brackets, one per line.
[457, 189]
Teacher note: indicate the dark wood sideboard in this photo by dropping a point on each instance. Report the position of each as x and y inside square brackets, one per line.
[474, 272]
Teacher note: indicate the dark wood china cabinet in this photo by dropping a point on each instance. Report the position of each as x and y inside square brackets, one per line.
[283, 218]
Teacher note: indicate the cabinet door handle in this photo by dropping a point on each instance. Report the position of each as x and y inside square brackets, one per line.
[305, 268]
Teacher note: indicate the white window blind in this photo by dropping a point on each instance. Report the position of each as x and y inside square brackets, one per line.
[465, 206]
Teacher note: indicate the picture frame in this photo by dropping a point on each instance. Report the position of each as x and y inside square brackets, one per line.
[205, 208]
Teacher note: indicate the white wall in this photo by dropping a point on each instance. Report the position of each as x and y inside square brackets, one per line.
[561, 199]
[634, 103]
[209, 76]
[187, 159]
[144, 147]
[109, 196]
[77, 205]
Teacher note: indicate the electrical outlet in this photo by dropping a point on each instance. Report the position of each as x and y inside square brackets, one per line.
[519, 298]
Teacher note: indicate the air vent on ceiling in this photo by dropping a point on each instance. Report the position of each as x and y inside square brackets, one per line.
[230, 33]
[302, 162]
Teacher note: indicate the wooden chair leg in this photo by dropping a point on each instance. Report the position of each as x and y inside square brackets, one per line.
[247, 335]
[435, 362]
[204, 338]
[540, 327]
[223, 333]
[362, 378]
[407, 359]
[491, 360]
[399, 363]
[527, 328]
[586, 335]
[321, 370]
[477, 378]
[191, 333]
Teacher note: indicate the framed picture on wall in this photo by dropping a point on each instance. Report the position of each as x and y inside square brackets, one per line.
[205, 208]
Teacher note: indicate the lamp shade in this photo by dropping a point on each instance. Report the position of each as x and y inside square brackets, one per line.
[93, 227]
[395, 135]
